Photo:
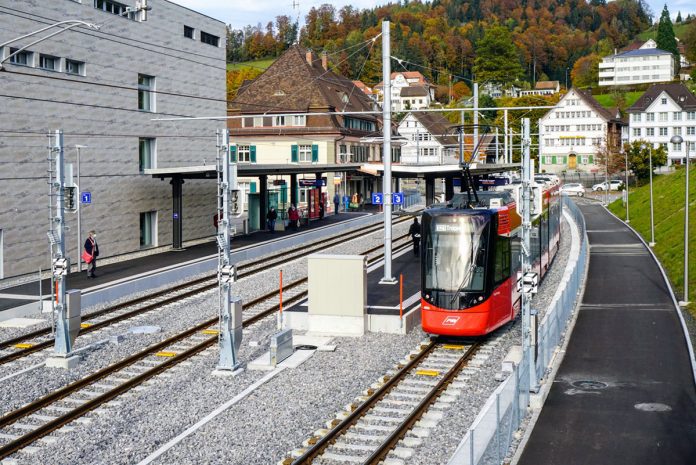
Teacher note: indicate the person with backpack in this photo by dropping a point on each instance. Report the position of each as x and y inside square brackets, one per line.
[271, 218]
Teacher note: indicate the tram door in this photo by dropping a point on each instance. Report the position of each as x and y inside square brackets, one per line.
[313, 203]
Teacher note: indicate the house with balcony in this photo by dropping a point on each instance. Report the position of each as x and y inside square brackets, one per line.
[543, 88]
[429, 139]
[575, 131]
[664, 111]
[409, 91]
[644, 65]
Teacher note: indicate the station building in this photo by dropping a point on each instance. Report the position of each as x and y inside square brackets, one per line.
[104, 88]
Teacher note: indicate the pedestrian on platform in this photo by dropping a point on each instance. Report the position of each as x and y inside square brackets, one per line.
[360, 201]
[415, 232]
[91, 253]
[346, 202]
[337, 202]
[293, 217]
[321, 210]
[271, 218]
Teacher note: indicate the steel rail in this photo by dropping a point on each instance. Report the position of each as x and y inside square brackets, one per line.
[329, 242]
[37, 405]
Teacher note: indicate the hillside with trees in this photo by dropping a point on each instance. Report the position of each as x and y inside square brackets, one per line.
[461, 39]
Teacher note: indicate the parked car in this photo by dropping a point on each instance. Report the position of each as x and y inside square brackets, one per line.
[614, 185]
[573, 188]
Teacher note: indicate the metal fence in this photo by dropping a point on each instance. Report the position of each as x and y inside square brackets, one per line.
[491, 433]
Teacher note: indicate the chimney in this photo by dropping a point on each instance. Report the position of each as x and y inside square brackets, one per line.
[324, 61]
[309, 57]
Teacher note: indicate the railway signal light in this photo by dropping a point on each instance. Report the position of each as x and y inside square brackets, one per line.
[61, 266]
[71, 199]
[236, 202]
[528, 282]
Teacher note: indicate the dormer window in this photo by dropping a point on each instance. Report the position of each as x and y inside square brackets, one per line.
[664, 101]
[278, 93]
[344, 97]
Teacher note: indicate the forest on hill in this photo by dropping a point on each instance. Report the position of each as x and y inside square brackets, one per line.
[456, 39]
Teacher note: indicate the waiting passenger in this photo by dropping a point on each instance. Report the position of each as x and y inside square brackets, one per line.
[293, 217]
[271, 218]
[415, 232]
[91, 253]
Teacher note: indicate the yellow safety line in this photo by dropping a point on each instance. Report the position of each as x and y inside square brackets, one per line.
[453, 347]
[23, 345]
[210, 331]
[165, 354]
[428, 372]
[85, 325]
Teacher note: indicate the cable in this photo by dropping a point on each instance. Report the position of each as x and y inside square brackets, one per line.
[359, 74]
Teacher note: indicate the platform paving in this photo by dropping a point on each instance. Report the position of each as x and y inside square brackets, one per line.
[624, 392]
[383, 299]
[12, 297]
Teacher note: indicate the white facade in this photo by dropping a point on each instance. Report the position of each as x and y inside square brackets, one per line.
[401, 102]
[422, 147]
[571, 135]
[660, 121]
[642, 66]
[103, 89]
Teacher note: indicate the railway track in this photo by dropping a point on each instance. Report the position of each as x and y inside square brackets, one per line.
[371, 432]
[22, 427]
[35, 341]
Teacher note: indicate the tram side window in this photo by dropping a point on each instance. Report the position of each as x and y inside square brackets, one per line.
[502, 259]
[515, 255]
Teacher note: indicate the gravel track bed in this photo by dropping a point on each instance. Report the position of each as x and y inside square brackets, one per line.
[133, 430]
[442, 442]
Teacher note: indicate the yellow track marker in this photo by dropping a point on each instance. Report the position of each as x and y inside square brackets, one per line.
[453, 347]
[165, 353]
[85, 325]
[210, 331]
[23, 345]
[428, 372]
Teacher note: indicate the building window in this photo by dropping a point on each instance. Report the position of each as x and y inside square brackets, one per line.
[676, 116]
[677, 131]
[279, 121]
[244, 153]
[210, 39]
[146, 97]
[23, 58]
[650, 117]
[299, 120]
[75, 67]
[148, 229]
[636, 132]
[691, 116]
[114, 8]
[548, 160]
[663, 116]
[677, 147]
[663, 131]
[258, 121]
[189, 32]
[664, 101]
[305, 153]
[49, 62]
[147, 153]
[691, 131]
[650, 131]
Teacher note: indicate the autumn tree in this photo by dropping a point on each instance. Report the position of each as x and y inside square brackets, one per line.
[639, 158]
[496, 57]
[585, 72]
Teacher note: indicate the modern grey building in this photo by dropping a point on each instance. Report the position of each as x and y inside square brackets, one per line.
[104, 88]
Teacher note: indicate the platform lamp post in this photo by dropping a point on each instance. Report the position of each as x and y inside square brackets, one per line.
[625, 154]
[79, 209]
[679, 140]
[652, 211]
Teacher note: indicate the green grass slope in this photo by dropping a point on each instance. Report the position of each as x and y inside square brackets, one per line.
[651, 33]
[668, 199]
[258, 64]
[610, 100]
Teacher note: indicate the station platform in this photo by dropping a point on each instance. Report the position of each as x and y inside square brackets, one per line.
[385, 311]
[624, 392]
[21, 299]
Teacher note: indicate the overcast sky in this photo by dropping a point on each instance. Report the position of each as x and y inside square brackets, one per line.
[240, 13]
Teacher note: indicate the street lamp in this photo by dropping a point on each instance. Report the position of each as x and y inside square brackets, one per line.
[79, 209]
[652, 216]
[606, 178]
[678, 140]
[625, 154]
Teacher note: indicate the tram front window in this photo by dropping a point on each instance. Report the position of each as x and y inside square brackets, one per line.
[455, 257]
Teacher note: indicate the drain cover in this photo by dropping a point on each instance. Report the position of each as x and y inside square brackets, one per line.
[144, 329]
[653, 407]
[589, 385]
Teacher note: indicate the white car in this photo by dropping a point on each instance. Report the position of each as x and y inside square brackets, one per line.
[614, 185]
[573, 188]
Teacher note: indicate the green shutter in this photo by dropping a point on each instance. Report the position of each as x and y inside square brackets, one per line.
[252, 153]
[233, 153]
[252, 187]
[553, 160]
[294, 157]
[590, 159]
[315, 154]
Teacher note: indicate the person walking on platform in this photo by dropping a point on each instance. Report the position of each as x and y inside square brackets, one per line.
[91, 253]
[415, 232]
[271, 218]
[337, 202]
[293, 217]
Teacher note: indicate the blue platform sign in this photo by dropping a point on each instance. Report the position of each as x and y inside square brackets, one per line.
[377, 198]
[398, 198]
[86, 197]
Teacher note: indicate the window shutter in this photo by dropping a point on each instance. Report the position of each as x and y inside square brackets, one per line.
[293, 154]
[553, 160]
[233, 153]
[252, 187]
[590, 159]
[315, 154]
[252, 153]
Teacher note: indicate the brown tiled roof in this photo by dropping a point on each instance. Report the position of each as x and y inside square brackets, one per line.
[543, 85]
[291, 84]
[437, 125]
[414, 91]
[407, 75]
[635, 45]
[362, 86]
[608, 115]
[676, 90]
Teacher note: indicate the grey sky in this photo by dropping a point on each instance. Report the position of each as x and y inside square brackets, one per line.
[240, 13]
